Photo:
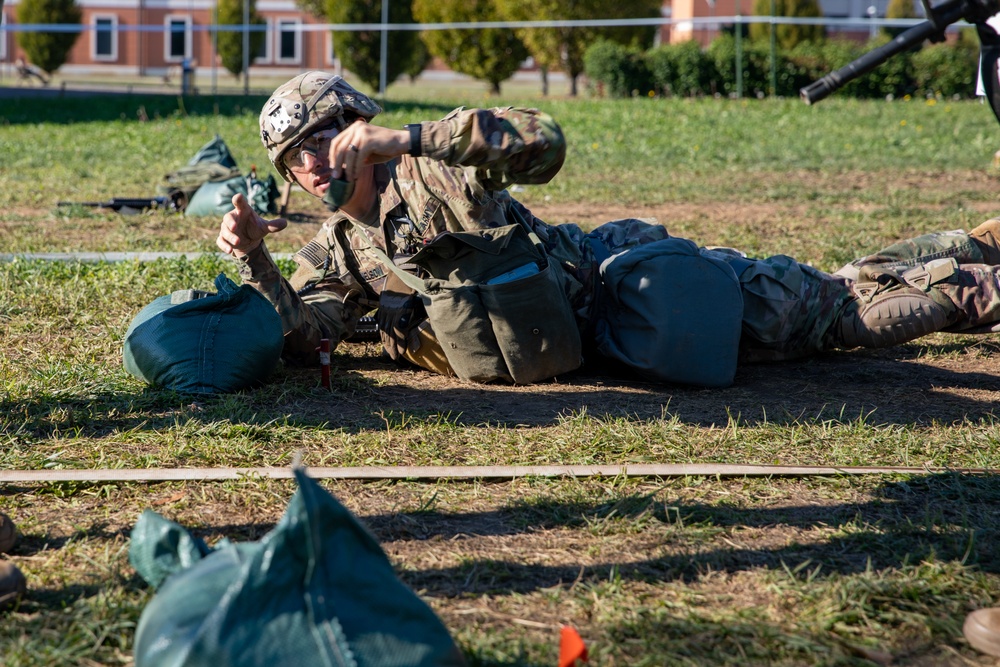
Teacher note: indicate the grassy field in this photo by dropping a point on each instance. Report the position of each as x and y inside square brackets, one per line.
[829, 570]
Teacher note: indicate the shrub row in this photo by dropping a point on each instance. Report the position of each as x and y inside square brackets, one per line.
[685, 70]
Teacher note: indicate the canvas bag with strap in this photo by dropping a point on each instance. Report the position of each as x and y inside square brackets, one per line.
[496, 304]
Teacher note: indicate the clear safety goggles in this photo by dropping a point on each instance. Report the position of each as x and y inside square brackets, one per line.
[316, 145]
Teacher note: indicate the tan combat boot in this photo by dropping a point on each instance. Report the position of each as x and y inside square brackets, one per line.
[987, 237]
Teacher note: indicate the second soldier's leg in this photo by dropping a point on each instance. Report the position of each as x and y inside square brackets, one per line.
[975, 291]
[964, 248]
[895, 307]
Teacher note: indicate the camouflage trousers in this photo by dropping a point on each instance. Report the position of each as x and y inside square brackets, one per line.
[792, 310]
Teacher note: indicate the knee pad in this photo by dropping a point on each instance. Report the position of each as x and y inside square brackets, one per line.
[892, 319]
[892, 308]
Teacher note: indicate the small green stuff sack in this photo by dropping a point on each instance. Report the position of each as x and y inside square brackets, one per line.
[216, 197]
[203, 342]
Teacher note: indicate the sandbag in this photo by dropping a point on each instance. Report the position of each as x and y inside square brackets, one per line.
[316, 590]
[204, 342]
[212, 163]
[216, 197]
[671, 313]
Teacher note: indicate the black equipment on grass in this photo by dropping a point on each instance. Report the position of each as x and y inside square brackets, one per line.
[939, 18]
[127, 205]
[366, 331]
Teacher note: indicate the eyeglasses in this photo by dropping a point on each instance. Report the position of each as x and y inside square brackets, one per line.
[316, 144]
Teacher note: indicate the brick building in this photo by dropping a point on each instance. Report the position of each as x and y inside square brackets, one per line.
[178, 31]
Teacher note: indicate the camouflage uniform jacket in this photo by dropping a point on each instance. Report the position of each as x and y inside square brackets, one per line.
[469, 160]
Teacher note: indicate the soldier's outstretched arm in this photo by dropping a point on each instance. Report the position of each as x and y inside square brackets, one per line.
[310, 309]
[242, 229]
[506, 146]
[313, 304]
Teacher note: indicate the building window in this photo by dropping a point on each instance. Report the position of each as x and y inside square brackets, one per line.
[262, 55]
[3, 37]
[104, 40]
[289, 41]
[331, 51]
[177, 45]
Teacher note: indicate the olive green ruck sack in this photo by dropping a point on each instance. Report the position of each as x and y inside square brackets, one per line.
[497, 305]
[316, 590]
[203, 342]
[207, 183]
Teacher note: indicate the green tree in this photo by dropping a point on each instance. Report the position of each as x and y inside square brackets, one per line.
[488, 54]
[48, 50]
[314, 7]
[618, 70]
[421, 57]
[787, 35]
[360, 51]
[563, 48]
[230, 43]
[899, 9]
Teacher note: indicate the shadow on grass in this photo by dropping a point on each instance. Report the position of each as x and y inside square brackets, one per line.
[943, 518]
[939, 517]
[370, 393]
[936, 518]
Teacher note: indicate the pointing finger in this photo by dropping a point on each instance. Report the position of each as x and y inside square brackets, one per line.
[242, 206]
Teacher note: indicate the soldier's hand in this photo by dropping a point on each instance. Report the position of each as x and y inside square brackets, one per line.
[362, 144]
[243, 229]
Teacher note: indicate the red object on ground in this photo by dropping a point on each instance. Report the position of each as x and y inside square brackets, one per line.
[571, 647]
[324, 362]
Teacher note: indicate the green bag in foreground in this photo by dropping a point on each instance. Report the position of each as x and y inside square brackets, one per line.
[205, 343]
[316, 590]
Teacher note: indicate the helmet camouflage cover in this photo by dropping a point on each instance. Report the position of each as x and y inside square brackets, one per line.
[308, 103]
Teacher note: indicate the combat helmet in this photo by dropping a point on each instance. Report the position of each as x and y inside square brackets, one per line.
[307, 103]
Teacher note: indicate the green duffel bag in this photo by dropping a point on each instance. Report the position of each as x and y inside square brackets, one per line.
[216, 197]
[316, 590]
[203, 342]
[671, 313]
[213, 162]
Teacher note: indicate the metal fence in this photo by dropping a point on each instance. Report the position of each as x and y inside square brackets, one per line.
[706, 25]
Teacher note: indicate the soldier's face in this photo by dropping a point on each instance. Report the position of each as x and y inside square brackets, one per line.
[311, 152]
[309, 161]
